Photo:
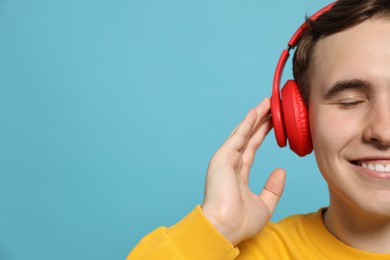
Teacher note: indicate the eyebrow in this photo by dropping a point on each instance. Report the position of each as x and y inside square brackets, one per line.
[343, 85]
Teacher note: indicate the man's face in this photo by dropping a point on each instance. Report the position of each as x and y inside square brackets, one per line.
[349, 114]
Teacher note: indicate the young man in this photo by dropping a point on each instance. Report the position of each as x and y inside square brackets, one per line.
[342, 66]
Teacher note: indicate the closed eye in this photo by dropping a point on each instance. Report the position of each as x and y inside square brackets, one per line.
[349, 104]
[348, 94]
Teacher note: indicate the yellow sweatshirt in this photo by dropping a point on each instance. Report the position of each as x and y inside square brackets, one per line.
[296, 237]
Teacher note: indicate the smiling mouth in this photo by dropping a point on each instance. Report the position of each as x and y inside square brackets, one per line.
[378, 167]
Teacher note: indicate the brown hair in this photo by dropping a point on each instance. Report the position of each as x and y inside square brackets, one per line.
[344, 14]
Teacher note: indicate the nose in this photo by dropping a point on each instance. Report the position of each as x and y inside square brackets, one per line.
[378, 125]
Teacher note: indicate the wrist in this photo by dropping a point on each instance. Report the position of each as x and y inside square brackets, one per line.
[227, 231]
[196, 238]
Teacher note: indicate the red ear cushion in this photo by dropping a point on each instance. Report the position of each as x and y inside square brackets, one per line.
[278, 121]
[296, 119]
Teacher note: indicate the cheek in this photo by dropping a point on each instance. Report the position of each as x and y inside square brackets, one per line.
[327, 138]
[331, 131]
[324, 131]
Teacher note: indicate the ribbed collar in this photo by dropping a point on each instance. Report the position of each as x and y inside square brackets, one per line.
[329, 245]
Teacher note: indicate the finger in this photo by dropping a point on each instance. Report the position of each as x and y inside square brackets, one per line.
[259, 134]
[234, 131]
[239, 137]
[263, 124]
[263, 110]
[254, 142]
[273, 189]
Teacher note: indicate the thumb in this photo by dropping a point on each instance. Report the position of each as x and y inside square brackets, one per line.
[273, 189]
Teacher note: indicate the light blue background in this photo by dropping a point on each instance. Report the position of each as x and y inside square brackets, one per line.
[111, 110]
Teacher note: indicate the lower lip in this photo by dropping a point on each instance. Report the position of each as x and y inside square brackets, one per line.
[373, 174]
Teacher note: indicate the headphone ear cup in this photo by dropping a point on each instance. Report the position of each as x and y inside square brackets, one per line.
[296, 119]
[278, 121]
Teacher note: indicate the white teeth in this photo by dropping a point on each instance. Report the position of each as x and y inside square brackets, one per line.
[376, 167]
[379, 168]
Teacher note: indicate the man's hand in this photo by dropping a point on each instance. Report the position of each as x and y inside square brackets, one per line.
[229, 204]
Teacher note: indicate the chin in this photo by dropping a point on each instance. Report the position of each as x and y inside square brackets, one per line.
[375, 204]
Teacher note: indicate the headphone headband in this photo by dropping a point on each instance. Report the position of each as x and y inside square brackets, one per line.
[276, 102]
[298, 34]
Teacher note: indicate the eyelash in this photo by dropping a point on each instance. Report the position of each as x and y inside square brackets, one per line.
[350, 104]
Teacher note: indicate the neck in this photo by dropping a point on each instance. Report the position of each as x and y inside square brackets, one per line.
[358, 229]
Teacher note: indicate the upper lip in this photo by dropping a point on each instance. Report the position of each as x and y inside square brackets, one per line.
[372, 159]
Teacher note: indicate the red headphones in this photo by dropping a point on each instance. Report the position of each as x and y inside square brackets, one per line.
[289, 114]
